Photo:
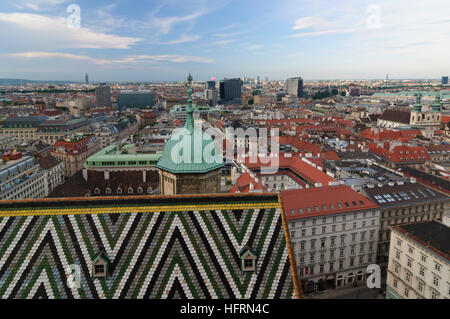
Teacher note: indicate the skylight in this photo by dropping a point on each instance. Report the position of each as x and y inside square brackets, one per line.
[404, 196]
[380, 199]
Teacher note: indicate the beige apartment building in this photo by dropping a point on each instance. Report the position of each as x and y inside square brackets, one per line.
[419, 261]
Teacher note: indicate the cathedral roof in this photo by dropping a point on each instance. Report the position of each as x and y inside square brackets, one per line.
[190, 150]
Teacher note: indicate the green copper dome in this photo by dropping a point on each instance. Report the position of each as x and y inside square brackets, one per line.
[436, 106]
[190, 150]
[417, 107]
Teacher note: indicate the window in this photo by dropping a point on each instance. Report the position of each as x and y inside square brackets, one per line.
[333, 239]
[437, 267]
[302, 246]
[435, 280]
[331, 266]
[408, 277]
[352, 261]
[395, 283]
[397, 254]
[434, 294]
[399, 243]
[396, 268]
[409, 263]
[423, 258]
[406, 292]
[321, 268]
[303, 232]
[99, 269]
[420, 286]
[313, 231]
[313, 244]
[324, 229]
[422, 271]
[248, 263]
[410, 250]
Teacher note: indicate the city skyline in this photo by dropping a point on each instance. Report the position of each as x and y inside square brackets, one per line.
[164, 40]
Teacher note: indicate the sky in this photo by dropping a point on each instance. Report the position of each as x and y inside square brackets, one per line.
[164, 40]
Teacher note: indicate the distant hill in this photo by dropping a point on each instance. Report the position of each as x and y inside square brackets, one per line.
[18, 82]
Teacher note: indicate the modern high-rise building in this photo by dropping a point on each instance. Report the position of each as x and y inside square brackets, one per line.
[103, 96]
[86, 79]
[210, 85]
[294, 86]
[230, 89]
[444, 80]
[211, 93]
[135, 99]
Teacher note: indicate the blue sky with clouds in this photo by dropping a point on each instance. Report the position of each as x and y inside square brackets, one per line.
[127, 40]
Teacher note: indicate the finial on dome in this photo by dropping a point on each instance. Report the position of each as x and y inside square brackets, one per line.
[189, 79]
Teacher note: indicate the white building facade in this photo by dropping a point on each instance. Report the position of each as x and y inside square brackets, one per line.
[334, 233]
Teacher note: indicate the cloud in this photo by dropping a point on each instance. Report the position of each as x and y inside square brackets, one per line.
[54, 33]
[227, 35]
[173, 58]
[255, 47]
[318, 26]
[37, 5]
[224, 41]
[184, 38]
[312, 22]
[166, 24]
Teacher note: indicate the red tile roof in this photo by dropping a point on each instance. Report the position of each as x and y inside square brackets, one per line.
[296, 165]
[308, 202]
[387, 135]
[401, 153]
[243, 184]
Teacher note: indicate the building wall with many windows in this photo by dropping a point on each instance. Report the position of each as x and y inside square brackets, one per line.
[334, 237]
[419, 266]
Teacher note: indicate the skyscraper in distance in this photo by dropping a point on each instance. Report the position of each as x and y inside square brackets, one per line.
[444, 80]
[103, 96]
[294, 86]
[230, 89]
[86, 79]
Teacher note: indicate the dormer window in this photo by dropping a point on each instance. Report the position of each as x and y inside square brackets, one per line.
[248, 259]
[100, 265]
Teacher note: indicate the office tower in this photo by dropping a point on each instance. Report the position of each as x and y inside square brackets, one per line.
[230, 89]
[444, 80]
[211, 93]
[135, 99]
[294, 86]
[103, 96]
[86, 79]
[210, 85]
